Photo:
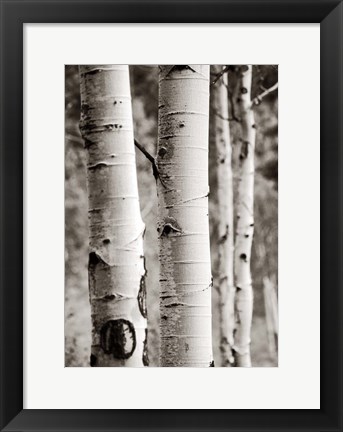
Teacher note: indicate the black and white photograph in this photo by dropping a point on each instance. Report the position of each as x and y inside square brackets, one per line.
[171, 215]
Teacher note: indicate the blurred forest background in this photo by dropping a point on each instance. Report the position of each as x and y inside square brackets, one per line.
[144, 91]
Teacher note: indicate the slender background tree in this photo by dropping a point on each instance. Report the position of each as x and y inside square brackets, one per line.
[245, 220]
[223, 271]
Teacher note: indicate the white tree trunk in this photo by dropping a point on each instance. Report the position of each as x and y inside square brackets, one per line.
[185, 274]
[224, 272]
[245, 222]
[116, 260]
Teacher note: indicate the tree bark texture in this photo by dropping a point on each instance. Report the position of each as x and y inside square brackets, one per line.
[245, 222]
[185, 272]
[223, 276]
[116, 260]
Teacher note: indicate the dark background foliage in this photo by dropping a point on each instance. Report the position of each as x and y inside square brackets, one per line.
[144, 88]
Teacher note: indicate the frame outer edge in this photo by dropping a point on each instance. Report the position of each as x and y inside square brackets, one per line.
[11, 222]
[10, 218]
[331, 101]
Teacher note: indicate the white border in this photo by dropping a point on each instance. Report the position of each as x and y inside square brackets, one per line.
[295, 384]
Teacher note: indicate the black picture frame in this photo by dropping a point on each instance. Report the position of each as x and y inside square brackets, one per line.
[329, 13]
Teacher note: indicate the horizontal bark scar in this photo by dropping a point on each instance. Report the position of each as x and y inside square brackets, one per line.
[112, 297]
[86, 127]
[171, 113]
[96, 70]
[104, 164]
[188, 200]
[175, 304]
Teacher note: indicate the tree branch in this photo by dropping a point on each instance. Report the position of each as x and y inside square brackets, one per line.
[219, 75]
[257, 100]
[145, 152]
[217, 113]
[152, 160]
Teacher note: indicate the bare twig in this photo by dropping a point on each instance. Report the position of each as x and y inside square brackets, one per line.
[219, 75]
[217, 113]
[257, 100]
[152, 160]
[146, 153]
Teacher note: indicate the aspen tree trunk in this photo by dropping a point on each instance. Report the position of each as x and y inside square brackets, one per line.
[116, 261]
[185, 273]
[224, 272]
[245, 222]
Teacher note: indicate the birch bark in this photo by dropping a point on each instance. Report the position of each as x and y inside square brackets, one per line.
[224, 272]
[185, 272]
[245, 222]
[116, 259]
